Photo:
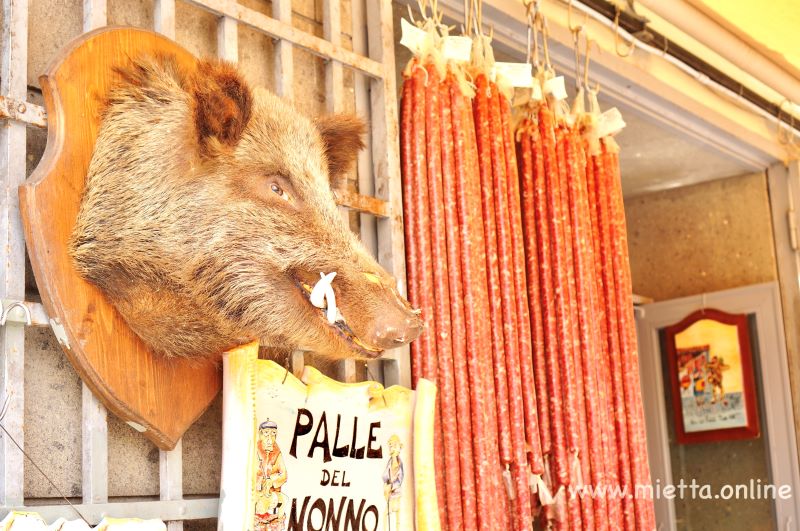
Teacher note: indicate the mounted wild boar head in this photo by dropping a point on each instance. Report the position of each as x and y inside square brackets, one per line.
[208, 215]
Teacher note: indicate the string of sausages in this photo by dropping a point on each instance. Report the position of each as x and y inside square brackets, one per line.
[517, 257]
[576, 250]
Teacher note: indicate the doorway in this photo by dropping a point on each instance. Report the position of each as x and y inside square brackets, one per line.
[776, 447]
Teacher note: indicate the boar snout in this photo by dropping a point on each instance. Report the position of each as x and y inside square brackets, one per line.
[371, 315]
[395, 327]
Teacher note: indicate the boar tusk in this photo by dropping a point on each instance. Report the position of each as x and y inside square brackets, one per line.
[317, 296]
[333, 311]
[322, 296]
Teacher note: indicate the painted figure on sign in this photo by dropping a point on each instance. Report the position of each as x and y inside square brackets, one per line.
[271, 475]
[393, 483]
[699, 379]
[715, 368]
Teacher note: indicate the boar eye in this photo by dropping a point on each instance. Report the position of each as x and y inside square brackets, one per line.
[277, 190]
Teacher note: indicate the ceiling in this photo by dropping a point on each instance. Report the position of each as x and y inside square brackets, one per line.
[655, 159]
[652, 159]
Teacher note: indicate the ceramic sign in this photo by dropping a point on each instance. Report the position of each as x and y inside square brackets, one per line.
[318, 454]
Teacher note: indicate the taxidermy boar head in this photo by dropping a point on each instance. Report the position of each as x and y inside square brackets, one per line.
[208, 215]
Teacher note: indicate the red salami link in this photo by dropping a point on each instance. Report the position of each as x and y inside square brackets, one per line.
[615, 507]
[547, 275]
[409, 169]
[453, 129]
[583, 252]
[599, 470]
[429, 150]
[525, 340]
[645, 518]
[446, 461]
[527, 133]
[620, 427]
[461, 461]
[511, 332]
[470, 236]
[490, 414]
[574, 415]
[421, 219]
[546, 296]
[562, 296]
[603, 376]
[499, 346]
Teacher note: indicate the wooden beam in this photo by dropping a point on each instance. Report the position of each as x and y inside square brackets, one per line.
[366, 186]
[94, 14]
[361, 203]
[194, 509]
[386, 165]
[164, 17]
[334, 76]
[170, 475]
[23, 111]
[281, 30]
[94, 448]
[14, 84]
[228, 39]
[284, 54]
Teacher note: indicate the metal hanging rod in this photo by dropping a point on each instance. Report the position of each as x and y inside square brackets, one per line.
[637, 26]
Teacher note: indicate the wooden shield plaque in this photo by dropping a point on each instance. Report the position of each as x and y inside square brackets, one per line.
[159, 396]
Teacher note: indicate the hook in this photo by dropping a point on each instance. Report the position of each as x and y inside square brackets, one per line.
[528, 47]
[7, 310]
[423, 6]
[411, 15]
[576, 35]
[617, 38]
[589, 42]
[533, 36]
[545, 46]
[579, 27]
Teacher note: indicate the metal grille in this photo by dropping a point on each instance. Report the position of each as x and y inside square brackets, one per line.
[377, 203]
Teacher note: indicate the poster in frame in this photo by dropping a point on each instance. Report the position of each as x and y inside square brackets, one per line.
[712, 384]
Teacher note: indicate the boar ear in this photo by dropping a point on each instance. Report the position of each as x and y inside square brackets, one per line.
[342, 138]
[221, 104]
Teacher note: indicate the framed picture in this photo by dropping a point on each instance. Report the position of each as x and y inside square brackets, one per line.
[710, 365]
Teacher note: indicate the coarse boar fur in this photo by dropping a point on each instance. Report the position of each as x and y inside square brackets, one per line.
[208, 212]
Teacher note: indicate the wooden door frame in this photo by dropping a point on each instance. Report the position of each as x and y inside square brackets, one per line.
[763, 300]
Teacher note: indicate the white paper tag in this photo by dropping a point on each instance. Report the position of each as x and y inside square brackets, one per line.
[545, 497]
[517, 74]
[610, 123]
[411, 36]
[536, 91]
[556, 88]
[457, 48]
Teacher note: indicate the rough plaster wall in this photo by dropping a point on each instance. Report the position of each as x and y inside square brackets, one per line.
[52, 388]
[703, 238]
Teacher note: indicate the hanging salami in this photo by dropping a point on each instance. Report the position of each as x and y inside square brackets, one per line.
[517, 257]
